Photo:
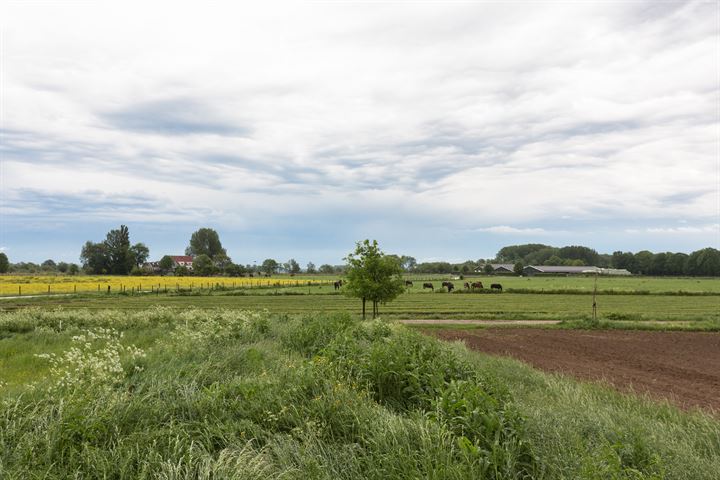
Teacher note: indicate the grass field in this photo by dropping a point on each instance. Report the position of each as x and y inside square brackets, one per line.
[12, 285]
[163, 393]
[417, 305]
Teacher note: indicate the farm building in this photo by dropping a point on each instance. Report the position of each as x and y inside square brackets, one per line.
[182, 261]
[565, 270]
[498, 268]
[178, 261]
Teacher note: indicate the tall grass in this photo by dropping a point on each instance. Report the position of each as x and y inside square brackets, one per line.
[233, 394]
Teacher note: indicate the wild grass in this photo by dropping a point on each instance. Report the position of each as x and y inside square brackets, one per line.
[234, 394]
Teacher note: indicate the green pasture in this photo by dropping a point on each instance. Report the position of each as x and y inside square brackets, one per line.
[509, 306]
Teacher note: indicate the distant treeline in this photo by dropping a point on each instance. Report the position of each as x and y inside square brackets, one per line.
[117, 255]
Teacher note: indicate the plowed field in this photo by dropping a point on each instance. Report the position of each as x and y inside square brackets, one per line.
[682, 367]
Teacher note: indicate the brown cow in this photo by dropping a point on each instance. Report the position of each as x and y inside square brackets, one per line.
[477, 285]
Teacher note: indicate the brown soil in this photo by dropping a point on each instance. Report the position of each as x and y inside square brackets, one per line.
[682, 367]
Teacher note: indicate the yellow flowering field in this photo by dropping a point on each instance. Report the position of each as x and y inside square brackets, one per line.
[39, 284]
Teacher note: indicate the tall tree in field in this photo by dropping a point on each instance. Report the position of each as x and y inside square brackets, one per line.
[4, 263]
[373, 276]
[205, 241]
[269, 266]
[311, 268]
[95, 257]
[166, 263]
[293, 266]
[203, 265]
[118, 248]
[140, 253]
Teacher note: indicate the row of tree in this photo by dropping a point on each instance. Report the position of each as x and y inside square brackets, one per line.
[704, 262]
[116, 255]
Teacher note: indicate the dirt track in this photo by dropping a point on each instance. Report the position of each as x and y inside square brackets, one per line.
[683, 367]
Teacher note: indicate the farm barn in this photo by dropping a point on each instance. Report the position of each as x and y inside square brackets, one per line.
[563, 270]
[499, 269]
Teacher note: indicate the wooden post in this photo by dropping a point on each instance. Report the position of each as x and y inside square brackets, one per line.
[48, 288]
[19, 290]
[594, 305]
[75, 288]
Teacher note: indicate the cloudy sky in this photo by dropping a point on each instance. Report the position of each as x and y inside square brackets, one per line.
[444, 130]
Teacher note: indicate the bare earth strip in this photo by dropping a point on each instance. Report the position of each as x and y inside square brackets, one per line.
[682, 367]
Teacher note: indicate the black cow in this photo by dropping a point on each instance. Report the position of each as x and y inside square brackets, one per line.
[428, 285]
[496, 286]
[408, 283]
[338, 284]
[467, 286]
[449, 285]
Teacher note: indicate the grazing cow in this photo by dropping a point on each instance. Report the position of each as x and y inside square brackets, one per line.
[338, 284]
[450, 286]
[477, 285]
[467, 286]
[445, 284]
[428, 285]
[408, 283]
[496, 286]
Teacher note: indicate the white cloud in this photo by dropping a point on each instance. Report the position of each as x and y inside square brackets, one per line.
[454, 115]
[504, 229]
[700, 229]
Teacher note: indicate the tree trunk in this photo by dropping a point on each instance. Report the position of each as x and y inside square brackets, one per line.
[363, 308]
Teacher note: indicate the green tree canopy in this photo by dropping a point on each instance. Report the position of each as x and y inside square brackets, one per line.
[95, 257]
[114, 255]
[120, 258]
[518, 268]
[203, 265]
[205, 241]
[327, 269]
[166, 263]
[269, 266]
[293, 266]
[310, 268]
[140, 253]
[372, 275]
[4, 263]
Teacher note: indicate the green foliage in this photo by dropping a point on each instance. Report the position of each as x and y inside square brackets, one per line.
[4, 263]
[205, 241]
[518, 268]
[140, 253]
[310, 268]
[326, 269]
[373, 276]
[115, 255]
[203, 265]
[269, 266]
[293, 266]
[234, 394]
[705, 262]
[166, 263]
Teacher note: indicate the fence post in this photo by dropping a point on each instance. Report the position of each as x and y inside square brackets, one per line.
[75, 288]
[48, 288]
[19, 290]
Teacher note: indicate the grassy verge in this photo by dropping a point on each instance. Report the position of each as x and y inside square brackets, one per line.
[232, 394]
